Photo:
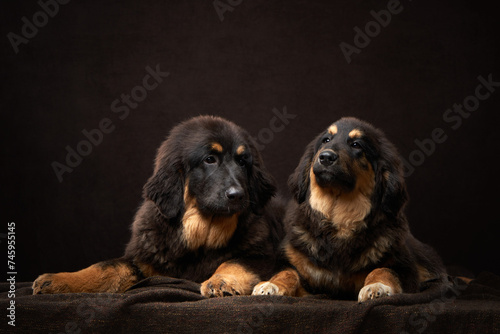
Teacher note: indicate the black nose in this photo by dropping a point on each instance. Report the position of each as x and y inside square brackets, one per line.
[327, 158]
[235, 194]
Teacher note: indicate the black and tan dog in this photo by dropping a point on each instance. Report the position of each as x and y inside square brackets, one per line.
[207, 216]
[347, 234]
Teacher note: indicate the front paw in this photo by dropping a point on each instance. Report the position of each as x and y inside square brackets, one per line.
[267, 288]
[49, 283]
[221, 286]
[373, 291]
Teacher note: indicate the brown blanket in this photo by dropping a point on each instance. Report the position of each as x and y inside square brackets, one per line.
[168, 305]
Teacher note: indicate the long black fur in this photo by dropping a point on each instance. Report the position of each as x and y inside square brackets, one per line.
[187, 162]
[158, 223]
[386, 217]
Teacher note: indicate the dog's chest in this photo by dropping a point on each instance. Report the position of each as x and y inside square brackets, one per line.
[345, 213]
[210, 232]
[335, 263]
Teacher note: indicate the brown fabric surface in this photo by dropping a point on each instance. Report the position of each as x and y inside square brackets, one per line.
[169, 305]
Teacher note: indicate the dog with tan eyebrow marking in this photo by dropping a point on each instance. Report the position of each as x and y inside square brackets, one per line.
[208, 216]
[346, 231]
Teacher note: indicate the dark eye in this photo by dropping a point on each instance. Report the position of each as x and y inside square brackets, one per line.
[326, 140]
[355, 145]
[242, 161]
[210, 159]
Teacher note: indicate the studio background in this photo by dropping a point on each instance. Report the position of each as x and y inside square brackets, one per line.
[254, 60]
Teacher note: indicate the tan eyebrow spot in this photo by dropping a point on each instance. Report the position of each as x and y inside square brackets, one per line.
[216, 147]
[355, 133]
[332, 130]
[240, 149]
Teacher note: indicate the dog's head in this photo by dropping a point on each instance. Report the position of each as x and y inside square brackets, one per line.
[212, 164]
[352, 158]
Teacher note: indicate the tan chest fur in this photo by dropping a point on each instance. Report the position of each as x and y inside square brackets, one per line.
[210, 232]
[206, 231]
[346, 211]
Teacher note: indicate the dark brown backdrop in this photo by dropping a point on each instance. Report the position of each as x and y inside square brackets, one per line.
[263, 55]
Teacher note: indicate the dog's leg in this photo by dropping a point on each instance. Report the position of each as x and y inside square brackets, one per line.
[231, 278]
[108, 276]
[379, 283]
[284, 283]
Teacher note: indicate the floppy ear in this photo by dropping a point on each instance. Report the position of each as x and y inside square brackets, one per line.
[298, 182]
[390, 180]
[166, 186]
[262, 185]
